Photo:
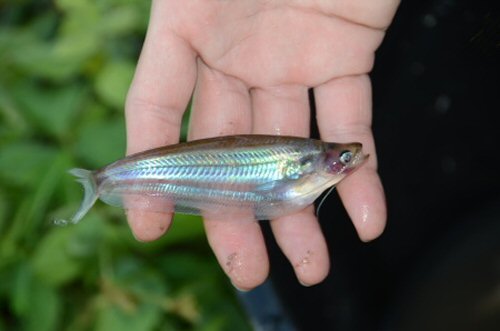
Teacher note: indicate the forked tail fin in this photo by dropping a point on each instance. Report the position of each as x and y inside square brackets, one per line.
[86, 178]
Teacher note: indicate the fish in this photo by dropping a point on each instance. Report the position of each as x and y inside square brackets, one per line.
[261, 176]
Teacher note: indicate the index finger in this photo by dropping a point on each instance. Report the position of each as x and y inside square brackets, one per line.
[160, 91]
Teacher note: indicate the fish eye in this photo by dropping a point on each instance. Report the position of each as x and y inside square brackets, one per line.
[345, 157]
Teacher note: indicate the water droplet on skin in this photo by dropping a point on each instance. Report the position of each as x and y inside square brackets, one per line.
[304, 260]
[365, 213]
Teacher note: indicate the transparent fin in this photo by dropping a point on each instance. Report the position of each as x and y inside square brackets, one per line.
[86, 178]
[138, 201]
[212, 208]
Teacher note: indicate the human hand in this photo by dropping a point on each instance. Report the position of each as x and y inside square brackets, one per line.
[250, 64]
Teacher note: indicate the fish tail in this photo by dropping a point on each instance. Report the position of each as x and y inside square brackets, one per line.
[86, 178]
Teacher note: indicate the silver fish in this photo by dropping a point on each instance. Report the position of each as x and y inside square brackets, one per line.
[258, 175]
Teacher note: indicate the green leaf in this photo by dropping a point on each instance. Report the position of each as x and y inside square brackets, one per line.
[102, 142]
[10, 114]
[65, 56]
[113, 81]
[9, 247]
[3, 211]
[58, 61]
[23, 229]
[62, 254]
[45, 307]
[43, 194]
[21, 289]
[37, 304]
[52, 110]
[186, 266]
[134, 276]
[120, 20]
[53, 261]
[145, 317]
[73, 5]
[25, 162]
[185, 229]
[215, 324]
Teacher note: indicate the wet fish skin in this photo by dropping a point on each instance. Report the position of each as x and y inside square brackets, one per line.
[258, 175]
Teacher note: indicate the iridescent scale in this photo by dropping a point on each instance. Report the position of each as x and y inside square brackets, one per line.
[228, 178]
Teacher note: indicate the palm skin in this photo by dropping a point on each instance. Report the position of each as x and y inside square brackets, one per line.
[250, 64]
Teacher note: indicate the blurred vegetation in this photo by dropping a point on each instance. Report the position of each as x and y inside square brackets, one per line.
[65, 67]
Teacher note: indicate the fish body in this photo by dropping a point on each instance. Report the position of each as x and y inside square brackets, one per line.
[258, 175]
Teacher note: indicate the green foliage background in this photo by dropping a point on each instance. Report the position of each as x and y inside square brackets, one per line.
[65, 67]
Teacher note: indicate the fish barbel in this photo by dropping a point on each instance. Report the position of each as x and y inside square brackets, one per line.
[264, 176]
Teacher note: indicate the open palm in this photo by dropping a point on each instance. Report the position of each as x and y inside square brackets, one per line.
[250, 64]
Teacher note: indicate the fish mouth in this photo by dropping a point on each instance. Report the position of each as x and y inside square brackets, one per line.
[358, 159]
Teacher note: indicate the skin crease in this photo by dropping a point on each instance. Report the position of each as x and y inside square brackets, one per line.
[250, 64]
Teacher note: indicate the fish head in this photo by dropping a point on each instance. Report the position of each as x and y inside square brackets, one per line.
[323, 170]
[341, 159]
